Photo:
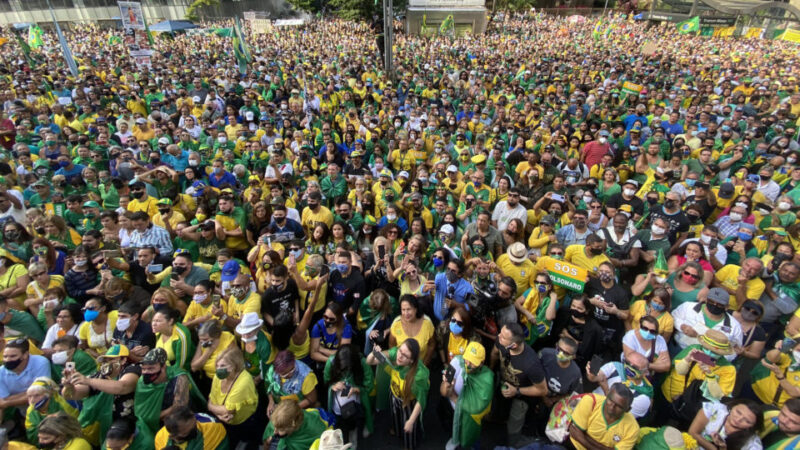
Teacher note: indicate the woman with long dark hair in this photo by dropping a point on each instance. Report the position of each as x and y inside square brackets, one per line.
[350, 380]
[409, 389]
[44, 251]
[732, 425]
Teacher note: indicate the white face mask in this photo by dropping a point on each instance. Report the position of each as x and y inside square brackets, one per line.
[705, 238]
[123, 324]
[80, 262]
[784, 206]
[391, 217]
[735, 217]
[59, 358]
[199, 298]
[194, 162]
[629, 192]
[657, 230]
[603, 140]
[222, 139]
[587, 199]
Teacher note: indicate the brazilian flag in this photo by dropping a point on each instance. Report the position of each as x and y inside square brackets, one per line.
[240, 49]
[473, 404]
[35, 36]
[598, 30]
[447, 24]
[689, 26]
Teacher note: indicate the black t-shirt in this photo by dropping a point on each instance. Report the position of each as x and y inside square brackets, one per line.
[560, 381]
[521, 370]
[273, 301]
[123, 404]
[704, 204]
[616, 295]
[139, 278]
[347, 291]
[616, 200]
[678, 222]
[142, 335]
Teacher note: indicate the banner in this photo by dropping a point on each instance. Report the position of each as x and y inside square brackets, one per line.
[724, 31]
[791, 35]
[630, 88]
[131, 15]
[754, 32]
[566, 275]
[261, 26]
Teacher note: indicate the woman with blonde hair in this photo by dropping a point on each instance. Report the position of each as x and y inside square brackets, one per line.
[296, 428]
[61, 235]
[233, 398]
[163, 297]
[61, 431]
[41, 281]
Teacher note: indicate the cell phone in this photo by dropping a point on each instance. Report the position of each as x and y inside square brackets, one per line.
[787, 345]
[155, 268]
[113, 254]
[346, 390]
[175, 276]
[215, 299]
[469, 203]
[381, 358]
[381, 251]
[69, 365]
[702, 358]
[713, 243]
[596, 363]
[450, 374]
[557, 198]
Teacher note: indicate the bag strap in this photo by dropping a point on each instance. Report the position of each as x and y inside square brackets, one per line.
[779, 391]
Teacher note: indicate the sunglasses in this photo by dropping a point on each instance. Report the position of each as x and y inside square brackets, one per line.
[652, 330]
[690, 274]
[556, 254]
[457, 322]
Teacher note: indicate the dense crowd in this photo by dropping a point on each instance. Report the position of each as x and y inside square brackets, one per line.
[582, 237]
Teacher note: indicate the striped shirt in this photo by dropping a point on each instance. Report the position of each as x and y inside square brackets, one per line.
[154, 236]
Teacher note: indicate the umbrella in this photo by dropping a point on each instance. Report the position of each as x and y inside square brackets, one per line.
[172, 26]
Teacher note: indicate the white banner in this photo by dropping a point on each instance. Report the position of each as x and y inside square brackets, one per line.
[132, 16]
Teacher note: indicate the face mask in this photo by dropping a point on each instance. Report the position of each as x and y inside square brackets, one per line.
[342, 268]
[710, 353]
[630, 192]
[80, 262]
[563, 357]
[59, 358]
[178, 269]
[150, 378]
[744, 236]
[199, 298]
[390, 217]
[456, 328]
[41, 250]
[715, 309]
[596, 251]
[200, 217]
[606, 277]
[657, 230]
[603, 140]
[222, 373]
[138, 194]
[748, 315]
[478, 249]
[690, 182]
[452, 276]
[222, 139]
[646, 334]
[669, 204]
[123, 324]
[791, 160]
[587, 199]
[577, 314]
[784, 206]
[296, 253]
[90, 315]
[735, 217]
[542, 288]
[657, 307]
[438, 262]
[217, 170]
[63, 164]
[238, 291]
[194, 162]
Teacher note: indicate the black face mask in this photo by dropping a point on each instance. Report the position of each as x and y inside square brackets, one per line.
[693, 218]
[652, 200]
[163, 211]
[669, 204]
[596, 251]
[11, 365]
[577, 314]
[150, 378]
[155, 161]
[715, 309]
[137, 194]
[178, 269]
[189, 437]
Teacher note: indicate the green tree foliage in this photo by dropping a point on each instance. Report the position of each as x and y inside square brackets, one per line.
[192, 12]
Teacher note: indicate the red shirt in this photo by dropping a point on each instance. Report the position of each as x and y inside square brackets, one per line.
[594, 152]
[7, 140]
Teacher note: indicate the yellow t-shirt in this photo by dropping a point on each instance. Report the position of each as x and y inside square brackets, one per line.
[242, 399]
[226, 339]
[237, 309]
[196, 310]
[638, 310]
[456, 345]
[576, 254]
[78, 444]
[213, 435]
[424, 336]
[309, 218]
[9, 279]
[523, 274]
[588, 416]
[728, 277]
[174, 220]
[147, 205]
[177, 335]
[95, 341]
[35, 291]
[765, 387]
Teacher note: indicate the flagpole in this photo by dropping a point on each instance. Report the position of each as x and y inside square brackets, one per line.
[64, 47]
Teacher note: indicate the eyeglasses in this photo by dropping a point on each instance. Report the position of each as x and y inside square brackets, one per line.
[513, 195]
[559, 349]
[595, 207]
[457, 322]
[329, 318]
[690, 274]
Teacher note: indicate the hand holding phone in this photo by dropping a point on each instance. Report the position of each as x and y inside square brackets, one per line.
[155, 268]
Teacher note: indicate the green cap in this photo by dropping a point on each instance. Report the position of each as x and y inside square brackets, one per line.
[91, 204]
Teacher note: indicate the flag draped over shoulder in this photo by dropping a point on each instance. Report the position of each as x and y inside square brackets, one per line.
[689, 26]
[473, 404]
[240, 49]
[35, 36]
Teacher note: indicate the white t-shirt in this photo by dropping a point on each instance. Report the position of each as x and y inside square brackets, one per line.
[641, 403]
[631, 341]
[52, 335]
[503, 214]
[716, 413]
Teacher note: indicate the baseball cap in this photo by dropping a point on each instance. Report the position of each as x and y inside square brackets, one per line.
[718, 295]
[155, 356]
[726, 190]
[479, 159]
[230, 271]
[163, 140]
[447, 229]
[753, 178]
[116, 351]
[604, 133]
[402, 174]
[141, 121]
[91, 204]
[475, 354]
[452, 168]
[164, 201]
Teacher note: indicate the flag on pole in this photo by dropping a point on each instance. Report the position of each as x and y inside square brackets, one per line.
[446, 24]
[598, 30]
[73, 68]
[689, 26]
[661, 269]
[240, 49]
[35, 36]
[26, 49]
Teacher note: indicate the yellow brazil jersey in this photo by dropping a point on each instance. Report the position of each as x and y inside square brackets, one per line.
[197, 310]
[588, 416]
[639, 310]
[309, 218]
[173, 220]
[147, 205]
[576, 254]
[523, 274]
[237, 309]
[235, 219]
[765, 384]
[728, 277]
[212, 435]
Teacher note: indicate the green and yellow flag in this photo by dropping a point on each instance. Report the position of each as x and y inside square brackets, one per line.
[35, 36]
[689, 26]
[598, 30]
[447, 24]
[240, 49]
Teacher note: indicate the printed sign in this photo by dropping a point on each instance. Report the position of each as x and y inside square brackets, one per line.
[566, 275]
[131, 15]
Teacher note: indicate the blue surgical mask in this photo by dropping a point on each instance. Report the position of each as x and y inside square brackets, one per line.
[456, 328]
[647, 335]
[437, 262]
[63, 163]
[710, 353]
[690, 182]
[90, 315]
[40, 403]
[342, 268]
[296, 253]
[744, 236]
[657, 307]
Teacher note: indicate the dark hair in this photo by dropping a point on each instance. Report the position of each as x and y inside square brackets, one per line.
[650, 319]
[169, 313]
[517, 334]
[413, 347]
[793, 405]
[180, 415]
[465, 318]
[664, 296]
[121, 429]
[623, 391]
[593, 238]
[73, 309]
[280, 271]
[347, 360]
[69, 341]
[282, 330]
[738, 439]
[412, 300]
[510, 282]
[458, 262]
[206, 284]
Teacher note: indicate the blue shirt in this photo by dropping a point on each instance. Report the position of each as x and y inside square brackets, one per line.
[71, 173]
[179, 163]
[629, 121]
[12, 384]
[227, 177]
[462, 288]
[330, 341]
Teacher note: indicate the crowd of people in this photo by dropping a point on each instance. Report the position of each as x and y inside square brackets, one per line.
[580, 238]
